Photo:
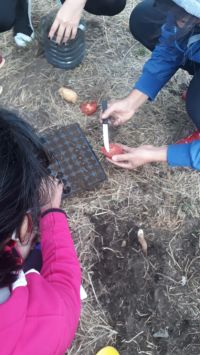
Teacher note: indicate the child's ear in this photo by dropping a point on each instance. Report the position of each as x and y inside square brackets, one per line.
[24, 229]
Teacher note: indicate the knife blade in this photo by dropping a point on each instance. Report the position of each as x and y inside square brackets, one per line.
[104, 106]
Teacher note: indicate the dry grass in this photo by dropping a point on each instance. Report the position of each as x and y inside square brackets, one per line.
[155, 197]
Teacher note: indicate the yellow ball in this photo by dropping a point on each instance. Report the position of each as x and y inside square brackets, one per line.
[108, 350]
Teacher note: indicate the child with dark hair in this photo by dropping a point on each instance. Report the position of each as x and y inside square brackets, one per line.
[171, 30]
[39, 312]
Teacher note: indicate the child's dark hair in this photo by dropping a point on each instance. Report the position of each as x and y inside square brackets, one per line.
[23, 166]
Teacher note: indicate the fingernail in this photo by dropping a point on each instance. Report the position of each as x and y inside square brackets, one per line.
[67, 190]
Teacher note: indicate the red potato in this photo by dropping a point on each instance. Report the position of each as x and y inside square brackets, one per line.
[115, 149]
[88, 108]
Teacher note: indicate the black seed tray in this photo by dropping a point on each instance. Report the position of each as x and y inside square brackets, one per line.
[74, 161]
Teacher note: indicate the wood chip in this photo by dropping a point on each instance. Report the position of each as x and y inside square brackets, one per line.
[142, 241]
[124, 244]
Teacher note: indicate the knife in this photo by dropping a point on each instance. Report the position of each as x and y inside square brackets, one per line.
[104, 106]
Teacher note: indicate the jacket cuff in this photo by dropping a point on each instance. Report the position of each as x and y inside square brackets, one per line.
[52, 220]
[51, 210]
[149, 85]
[179, 155]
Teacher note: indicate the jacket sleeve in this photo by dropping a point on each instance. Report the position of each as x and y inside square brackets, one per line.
[61, 267]
[187, 155]
[166, 58]
[193, 48]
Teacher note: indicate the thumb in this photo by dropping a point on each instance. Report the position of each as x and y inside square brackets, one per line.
[121, 157]
[126, 149]
[108, 112]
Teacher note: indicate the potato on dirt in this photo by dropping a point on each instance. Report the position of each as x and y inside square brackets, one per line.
[88, 108]
[68, 94]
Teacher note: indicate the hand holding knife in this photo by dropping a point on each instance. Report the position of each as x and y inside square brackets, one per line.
[104, 105]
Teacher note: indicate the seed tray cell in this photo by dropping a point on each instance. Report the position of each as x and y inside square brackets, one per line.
[74, 161]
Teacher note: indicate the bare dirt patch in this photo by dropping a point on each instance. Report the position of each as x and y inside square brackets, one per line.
[138, 293]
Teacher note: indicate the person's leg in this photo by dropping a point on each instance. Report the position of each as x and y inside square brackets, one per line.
[7, 14]
[23, 29]
[193, 99]
[23, 22]
[145, 23]
[105, 7]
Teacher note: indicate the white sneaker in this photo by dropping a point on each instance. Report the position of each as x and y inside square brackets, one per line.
[23, 40]
[23, 29]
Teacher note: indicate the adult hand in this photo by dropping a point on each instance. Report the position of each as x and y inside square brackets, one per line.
[135, 157]
[67, 20]
[122, 110]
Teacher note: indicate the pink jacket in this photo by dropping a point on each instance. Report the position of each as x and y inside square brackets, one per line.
[41, 316]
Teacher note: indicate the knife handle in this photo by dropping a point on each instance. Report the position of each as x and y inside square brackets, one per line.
[104, 106]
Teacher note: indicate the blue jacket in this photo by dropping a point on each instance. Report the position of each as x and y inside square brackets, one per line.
[166, 59]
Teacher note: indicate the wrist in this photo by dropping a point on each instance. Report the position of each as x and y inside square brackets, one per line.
[52, 210]
[159, 154]
[49, 207]
[136, 98]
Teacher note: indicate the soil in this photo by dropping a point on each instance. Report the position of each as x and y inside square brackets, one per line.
[135, 291]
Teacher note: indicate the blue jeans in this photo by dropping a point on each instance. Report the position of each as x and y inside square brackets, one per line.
[145, 25]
